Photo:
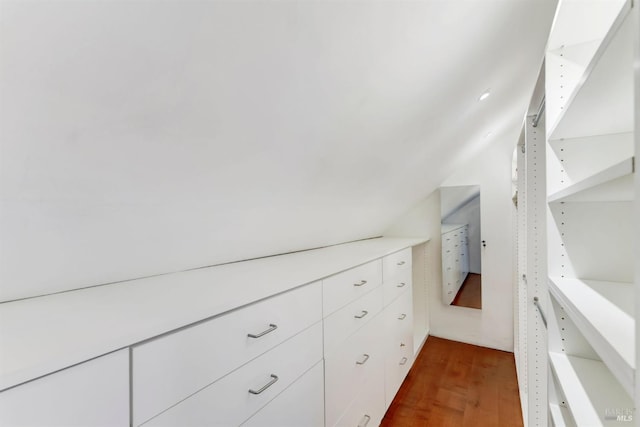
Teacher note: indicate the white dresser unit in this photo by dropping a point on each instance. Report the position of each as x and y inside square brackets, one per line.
[315, 338]
[186, 368]
[91, 394]
[455, 259]
[368, 338]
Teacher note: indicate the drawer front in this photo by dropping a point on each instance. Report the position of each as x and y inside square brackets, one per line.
[449, 251]
[448, 242]
[449, 293]
[342, 288]
[396, 286]
[397, 365]
[398, 343]
[396, 263]
[229, 401]
[449, 272]
[368, 407]
[94, 393]
[344, 322]
[347, 371]
[300, 405]
[168, 369]
[399, 318]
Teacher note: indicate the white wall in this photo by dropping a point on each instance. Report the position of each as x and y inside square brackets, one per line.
[147, 137]
[493, 325]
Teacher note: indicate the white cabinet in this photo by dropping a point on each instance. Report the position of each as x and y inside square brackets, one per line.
[396, 285]
[233, 399]
[290, 410]
[343, 323]
[94, 393]
[353, 354]
[170, 368]
[358, 361]
[590, 172]
[455, 259]
[293, 340]
[398, 344]
[342, 288]
[369, 343]
[367, 409]
[396, 263]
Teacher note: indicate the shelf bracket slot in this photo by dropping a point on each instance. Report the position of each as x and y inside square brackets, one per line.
[536, 302]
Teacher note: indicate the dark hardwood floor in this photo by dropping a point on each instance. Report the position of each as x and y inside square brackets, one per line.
[470, 293]
[456, 384]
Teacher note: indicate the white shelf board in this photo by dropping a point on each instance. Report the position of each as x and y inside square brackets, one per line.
[614, 183]
[45, 334]
[577, 20]
[603, 312]
[560, 416]
[602, 101]
[589, 388]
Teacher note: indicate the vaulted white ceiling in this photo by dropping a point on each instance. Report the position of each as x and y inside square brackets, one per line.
[142, 137]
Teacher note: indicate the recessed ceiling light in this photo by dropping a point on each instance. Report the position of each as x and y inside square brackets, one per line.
[484, 95]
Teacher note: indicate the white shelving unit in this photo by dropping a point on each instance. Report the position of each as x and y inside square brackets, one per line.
[603, 313]
[558, 411]
[589, 390]
[614, 183]
[591, 191]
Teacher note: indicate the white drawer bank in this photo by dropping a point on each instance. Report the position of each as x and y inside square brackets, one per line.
[455, 259]
[368, 339]
[187, 348]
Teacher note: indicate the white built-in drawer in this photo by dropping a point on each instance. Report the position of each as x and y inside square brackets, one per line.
[236, 397]
[396, 285]
[396, 263]
[449, 294]
[93, 393]
[399, 343]
[448, 242]
[449, 251]
[342, 288]
[397, 364]
[170, 368]
[347, 371]
[300, 405]
[398, 317]
[344, 322]
[367, 410]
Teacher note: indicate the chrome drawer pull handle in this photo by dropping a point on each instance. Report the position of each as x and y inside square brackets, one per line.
[362, 283]
[401, 285]
[274, 379]
[364, 313]
[402, 316]
[403, 361]
[366, 420]
[272, 328]
[401, 263]
[364, 360]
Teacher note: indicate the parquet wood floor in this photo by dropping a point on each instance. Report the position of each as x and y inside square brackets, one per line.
[453, 384]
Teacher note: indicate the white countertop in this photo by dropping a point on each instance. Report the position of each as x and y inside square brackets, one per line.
[45, 334]
[450, 227]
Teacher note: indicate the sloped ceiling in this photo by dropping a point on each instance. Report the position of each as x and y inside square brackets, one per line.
[453, 198]
[143, 137]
